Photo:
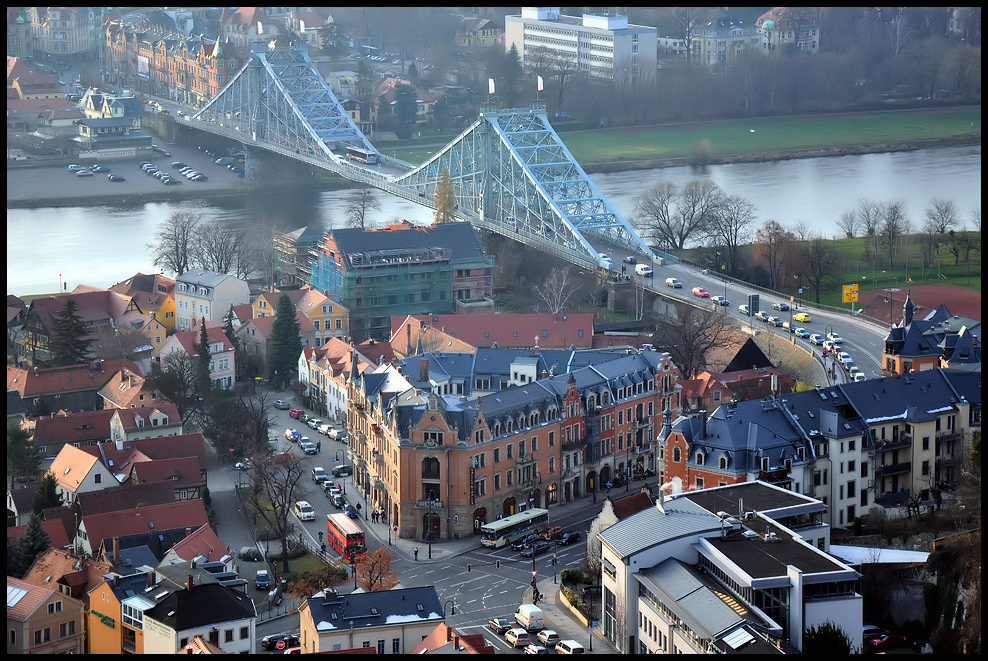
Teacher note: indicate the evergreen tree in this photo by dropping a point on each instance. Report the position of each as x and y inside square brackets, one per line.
[445, 199]
[229, 330]
[47, 494]
[286, 343]
[204, 356]
[69, 342]
[34, 542]
[22, 455]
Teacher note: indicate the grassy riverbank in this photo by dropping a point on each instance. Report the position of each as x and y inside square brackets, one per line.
[745, 139]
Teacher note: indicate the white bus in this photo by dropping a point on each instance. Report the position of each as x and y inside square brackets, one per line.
[511, 528]
[361, 154]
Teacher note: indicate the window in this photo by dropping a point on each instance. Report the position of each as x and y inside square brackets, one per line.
[497, 455]
[510, 450]
[380, 646]
[228, 636]
[396, 645]
[497, 481]
[244, 633]
[676, 454]
[55, 607]
[98, 479]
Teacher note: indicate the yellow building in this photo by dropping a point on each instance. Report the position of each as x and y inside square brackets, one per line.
[328, 317]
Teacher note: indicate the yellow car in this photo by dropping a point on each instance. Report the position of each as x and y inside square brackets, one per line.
[802, 316]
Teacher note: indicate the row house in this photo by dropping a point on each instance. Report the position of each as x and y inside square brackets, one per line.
[222, 363]
[441, 465]
[326, 317]
[204, 294]
[889, 442]
[323, 374]
[43, 620]
[154, 293]
[62, 37]
[190, 71]
[69, 388]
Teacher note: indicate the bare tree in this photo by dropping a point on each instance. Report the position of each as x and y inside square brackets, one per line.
[894, 226]
[941, 215]
[870, 216]
[803, 230]
[688, 22]
[697, 209]
[177, 378]
[820, 261]
[674, 217]
[275, 484]
[848, 223]
[172, 248]
[653, 212]
[557, 290]
[217, 248]
[732, 225]
[359, 203]
[775, 247]
[690, 335]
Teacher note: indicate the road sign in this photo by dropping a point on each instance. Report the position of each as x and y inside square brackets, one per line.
[753, 303]
[850, 293]
[280, 644]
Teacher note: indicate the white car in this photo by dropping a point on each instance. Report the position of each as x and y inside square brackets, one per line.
[313, 422]
[304, 511]
[817, 339]
[720, 300]
[835, 338]
[844, 358]
[324, 428]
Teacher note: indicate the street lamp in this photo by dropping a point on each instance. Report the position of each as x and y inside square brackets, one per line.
[452, 610]
[432, 503]
[353, 566]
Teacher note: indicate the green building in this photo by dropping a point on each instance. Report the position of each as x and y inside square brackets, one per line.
[404, 269]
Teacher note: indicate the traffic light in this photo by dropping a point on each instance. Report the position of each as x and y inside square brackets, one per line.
[468, 567]
[497, 564]
[535, 586]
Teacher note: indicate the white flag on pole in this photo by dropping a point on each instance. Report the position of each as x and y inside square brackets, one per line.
[490, 85]
[540, 83]
[260, 28]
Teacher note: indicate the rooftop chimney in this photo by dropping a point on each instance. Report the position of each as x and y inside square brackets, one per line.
[188, 582]
[116, 550]
[424, 370]
[152, 579]
[116, 580]
[703, 424]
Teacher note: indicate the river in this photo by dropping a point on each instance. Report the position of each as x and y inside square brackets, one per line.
[102, 245]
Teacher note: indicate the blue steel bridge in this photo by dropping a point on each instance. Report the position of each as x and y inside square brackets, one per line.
[511, 173]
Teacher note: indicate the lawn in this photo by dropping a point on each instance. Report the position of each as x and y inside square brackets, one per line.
[745, 137]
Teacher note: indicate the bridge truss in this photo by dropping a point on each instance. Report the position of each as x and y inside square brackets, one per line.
[511, 173]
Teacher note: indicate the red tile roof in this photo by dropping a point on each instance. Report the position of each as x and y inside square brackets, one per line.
[124, 453]
[178, 472]
[54, 527]
[80, 574]
[61, 380]
[172, 516]
[189, 340]
[202, 541]
[84, 426]
[124, 497]
[548, 331]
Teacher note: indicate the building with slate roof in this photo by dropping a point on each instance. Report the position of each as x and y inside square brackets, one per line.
[937, 340]
[221, 615]
[404, 269]
[116, 623]
[724, 570]
[393, 621]
[886, 442]
[443, 446]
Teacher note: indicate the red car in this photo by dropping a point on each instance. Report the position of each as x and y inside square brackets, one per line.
[298, 414]
[886, 641]
[553, 532]
[701, 292]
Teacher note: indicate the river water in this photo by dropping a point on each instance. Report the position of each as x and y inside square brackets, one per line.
[102, 245]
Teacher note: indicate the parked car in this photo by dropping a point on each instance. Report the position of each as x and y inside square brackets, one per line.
[324, 428]
[568, 538]
[720, 300]
[298, 414]
[313, 422]
[100, 168]
[341, 470]
[537, 548]
[308, 447]
[701, 292]
[885, 641]
[835, 338]
[802, 317]
[250, 554]
[784, 307]
[518, 637]
[75, 168]
[548, 637]
[281, 405]
[286, 640]
[761, 315]
[115, 177]
[337, 434]
[525, 541]
[801, 332]
[262, 581]
[84, 173]
[817, 339]
[499, 625]
[553, 533]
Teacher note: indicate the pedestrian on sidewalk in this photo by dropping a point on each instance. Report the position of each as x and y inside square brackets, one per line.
[416, 554]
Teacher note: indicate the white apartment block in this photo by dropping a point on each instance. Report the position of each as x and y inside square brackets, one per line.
[201, 294]
[604, 47]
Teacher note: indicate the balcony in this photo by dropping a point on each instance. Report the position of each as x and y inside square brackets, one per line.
[904, 441]
[893, 498]
[893, 469]
[948, 436]
[429, 505]
[643, 421]
[525, 459]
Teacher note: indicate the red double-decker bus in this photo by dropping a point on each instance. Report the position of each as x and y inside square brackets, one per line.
[346, 537]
